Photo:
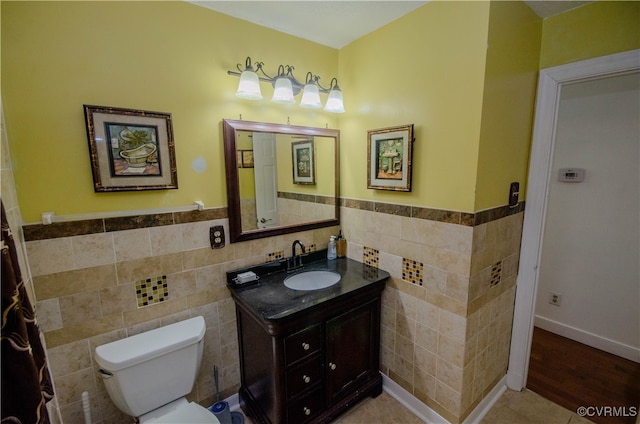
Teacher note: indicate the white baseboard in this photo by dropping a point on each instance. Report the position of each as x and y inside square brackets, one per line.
[487, 402]
[411, 402]
[430, 416]
[611, 346]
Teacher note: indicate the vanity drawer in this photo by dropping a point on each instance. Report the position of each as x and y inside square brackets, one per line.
[302, 343]
[306, 408]
[304, 376]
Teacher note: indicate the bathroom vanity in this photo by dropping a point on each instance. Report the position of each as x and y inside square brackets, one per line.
[306, 356]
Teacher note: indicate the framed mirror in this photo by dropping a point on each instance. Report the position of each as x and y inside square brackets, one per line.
[280, 178]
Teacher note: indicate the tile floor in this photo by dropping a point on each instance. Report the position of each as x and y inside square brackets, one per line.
[513, 407]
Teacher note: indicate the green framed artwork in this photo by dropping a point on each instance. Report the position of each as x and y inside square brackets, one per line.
[304, 162]
[389, 153]
[130, 149]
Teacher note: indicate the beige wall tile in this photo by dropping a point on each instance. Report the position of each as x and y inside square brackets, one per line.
[50, 256]
[199, 258]
[132, 244]
[435, 279]
[451, 350]
[427, 337]
[48, 314]
[452, 325]
[428, 314]
[154, 311]
[78, 308]
[141, 269]
[206, 297]
[69, 358]
[404, 369]
[68, 283]
[70, 386]
[118, 299]
[448, 398]
[165, 239]
[449, 374]
[195, 235]
[93, 250]
[181, 284]
[86, 329]
[425, 363]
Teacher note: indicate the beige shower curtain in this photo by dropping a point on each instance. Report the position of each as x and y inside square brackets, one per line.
[26, 383]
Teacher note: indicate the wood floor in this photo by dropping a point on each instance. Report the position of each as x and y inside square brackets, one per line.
[574, 375]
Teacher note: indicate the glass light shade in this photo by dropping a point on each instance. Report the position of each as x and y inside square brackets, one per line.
[311, 97]
[249, 87]
[283, 91]
[334, 102]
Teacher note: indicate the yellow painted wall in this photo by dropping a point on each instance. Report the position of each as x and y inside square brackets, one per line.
[162, 56]
[430, 68]
[508, 104]
[426, 69]
[593, 30]
[324, 150]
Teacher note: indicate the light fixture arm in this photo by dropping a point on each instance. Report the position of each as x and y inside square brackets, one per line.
[283, 71]
[286, 71]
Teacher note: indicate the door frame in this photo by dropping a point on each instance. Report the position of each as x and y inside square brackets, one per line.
[550, 84]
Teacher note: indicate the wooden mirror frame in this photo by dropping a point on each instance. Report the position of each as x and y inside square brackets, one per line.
[229, 128]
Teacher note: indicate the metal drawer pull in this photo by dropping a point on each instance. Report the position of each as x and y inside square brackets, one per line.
[306, 378]
[305, 346]
[307, 411]
[332, 365]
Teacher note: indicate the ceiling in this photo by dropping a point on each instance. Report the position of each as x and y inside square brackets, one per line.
[338, 23]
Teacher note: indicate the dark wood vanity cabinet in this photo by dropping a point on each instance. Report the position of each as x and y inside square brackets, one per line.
[314, 365]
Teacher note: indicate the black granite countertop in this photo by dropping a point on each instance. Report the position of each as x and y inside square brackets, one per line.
[271, 300]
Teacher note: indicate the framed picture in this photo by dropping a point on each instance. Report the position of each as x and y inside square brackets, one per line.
[130, 149]
[389, 153]
[245, 158]
[304, 162]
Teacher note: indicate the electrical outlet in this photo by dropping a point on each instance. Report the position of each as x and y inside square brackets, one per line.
[216, 236]
[555, 298]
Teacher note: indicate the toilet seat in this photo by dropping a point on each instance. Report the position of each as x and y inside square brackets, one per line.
[188, 413]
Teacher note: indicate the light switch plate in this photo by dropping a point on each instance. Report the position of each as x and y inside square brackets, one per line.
[216, 236]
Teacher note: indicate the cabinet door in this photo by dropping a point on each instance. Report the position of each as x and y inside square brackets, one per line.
[352, 353]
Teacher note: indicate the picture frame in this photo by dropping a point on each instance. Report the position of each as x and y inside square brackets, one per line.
[389, 158]
[304, 162]
[130, 150]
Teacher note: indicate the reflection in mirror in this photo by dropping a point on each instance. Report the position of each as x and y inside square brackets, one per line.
[280, 178]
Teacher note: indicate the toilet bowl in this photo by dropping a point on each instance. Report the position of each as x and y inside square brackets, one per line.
[149, 375]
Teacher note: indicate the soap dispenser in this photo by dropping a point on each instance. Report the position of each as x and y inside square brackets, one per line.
[331, 249]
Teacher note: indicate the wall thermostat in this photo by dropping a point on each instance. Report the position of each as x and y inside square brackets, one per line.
[571, 175]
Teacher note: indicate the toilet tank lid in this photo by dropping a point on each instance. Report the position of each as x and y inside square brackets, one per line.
[132, 350]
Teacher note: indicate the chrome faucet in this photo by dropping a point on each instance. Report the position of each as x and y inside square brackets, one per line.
[296, 260]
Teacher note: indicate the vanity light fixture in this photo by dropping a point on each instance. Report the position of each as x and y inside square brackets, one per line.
[286, 87]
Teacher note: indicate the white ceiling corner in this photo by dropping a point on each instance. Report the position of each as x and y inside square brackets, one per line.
[338, 23]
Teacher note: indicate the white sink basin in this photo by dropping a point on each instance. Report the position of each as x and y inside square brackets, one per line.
[312, 280]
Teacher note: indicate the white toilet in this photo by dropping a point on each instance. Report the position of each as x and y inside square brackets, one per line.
[148, 375]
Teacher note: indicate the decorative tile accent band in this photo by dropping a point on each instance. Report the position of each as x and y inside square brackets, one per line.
[152, 291]
[412, 271]
[313, 198]
[496, 274]
[274, 256]
[371, 257]
[34, 232]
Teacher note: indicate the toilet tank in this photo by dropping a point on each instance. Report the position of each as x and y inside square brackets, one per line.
[148, 370]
